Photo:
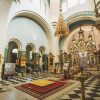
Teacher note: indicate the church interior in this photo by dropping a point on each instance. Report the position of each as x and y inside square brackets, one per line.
[50, 50]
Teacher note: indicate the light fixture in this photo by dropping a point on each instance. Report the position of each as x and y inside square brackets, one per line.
[62, 28]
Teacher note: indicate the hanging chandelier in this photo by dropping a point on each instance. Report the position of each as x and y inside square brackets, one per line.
[62, 28]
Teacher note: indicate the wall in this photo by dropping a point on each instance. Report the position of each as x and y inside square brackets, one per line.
[27, 31]
[4, 12]
[65, 43]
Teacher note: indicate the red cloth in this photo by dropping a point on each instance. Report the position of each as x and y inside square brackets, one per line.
[43, 89]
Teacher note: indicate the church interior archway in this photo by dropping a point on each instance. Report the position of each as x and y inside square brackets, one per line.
[12, 52]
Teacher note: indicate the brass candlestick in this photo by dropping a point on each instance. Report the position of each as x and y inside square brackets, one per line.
[82, 85]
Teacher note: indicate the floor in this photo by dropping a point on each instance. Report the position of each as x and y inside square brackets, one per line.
[73, 92]
[92, 91]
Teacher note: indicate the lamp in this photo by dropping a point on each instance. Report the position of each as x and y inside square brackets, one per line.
[62, 28]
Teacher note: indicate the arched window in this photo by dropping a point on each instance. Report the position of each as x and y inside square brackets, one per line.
[72, 3]
[82, 1]
[30, 48]
[43, 6]
[64, 7]
[15, 50]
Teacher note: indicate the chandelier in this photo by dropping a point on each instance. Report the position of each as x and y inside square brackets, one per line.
[62, 28]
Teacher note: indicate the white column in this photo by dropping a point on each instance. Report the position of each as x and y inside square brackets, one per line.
[4, 11]
[54, 10]
[54, 14]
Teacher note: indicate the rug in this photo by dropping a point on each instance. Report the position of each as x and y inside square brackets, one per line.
[42, 92]
[42, 83]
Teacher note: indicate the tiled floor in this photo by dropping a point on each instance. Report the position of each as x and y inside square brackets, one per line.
[92, 90]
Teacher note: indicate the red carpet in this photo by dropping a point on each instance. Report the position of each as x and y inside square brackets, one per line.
[43, 92]
[43, 89]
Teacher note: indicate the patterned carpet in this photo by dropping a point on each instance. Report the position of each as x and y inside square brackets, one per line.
[43, 92]
[92, 88]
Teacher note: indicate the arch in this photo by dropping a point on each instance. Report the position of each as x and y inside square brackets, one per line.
[80, 16]
[42, 49]
[12, 56]
[79, 22]
[77, 18]
[32, 46]
[74, 21]
[37, 18]
[17, 42]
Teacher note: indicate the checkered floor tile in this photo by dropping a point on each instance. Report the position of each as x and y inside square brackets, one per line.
[92, 88]
[92, 91]
[14, 81]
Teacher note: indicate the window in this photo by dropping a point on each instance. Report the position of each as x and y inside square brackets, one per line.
[40, 4]
[64, 7]
[72, 3]
[15, 50]
[82, 1]
[30, 54]
[45, 7]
